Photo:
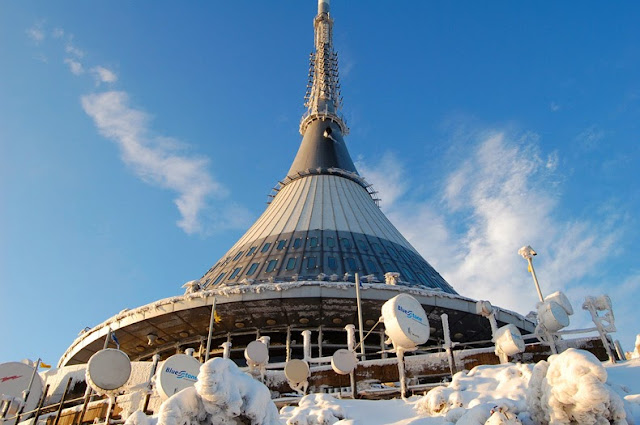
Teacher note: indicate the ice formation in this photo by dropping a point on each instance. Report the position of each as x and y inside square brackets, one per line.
[223, 395]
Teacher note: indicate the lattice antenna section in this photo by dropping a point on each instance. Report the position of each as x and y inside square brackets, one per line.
[323, 99]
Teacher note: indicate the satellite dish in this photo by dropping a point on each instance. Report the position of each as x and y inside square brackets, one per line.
[177, 373]
[405, 321]
[14, 379]
[561, 299]
[296, 371]
[256, 353]
[509, 340]
[343, 361]
[108, 369]
[552, 316]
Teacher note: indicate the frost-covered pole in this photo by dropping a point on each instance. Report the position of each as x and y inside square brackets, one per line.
[401, 375]
[147, 396]
[351, 344]
[211, 320]
[447, 343]
[527, 253]
[226, 350]
[288, 345]
[361, 330]
[306, 345]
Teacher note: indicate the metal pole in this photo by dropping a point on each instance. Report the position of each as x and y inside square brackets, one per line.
[106, 340]
[87, 396]
[112, 402]
[28, 390]
[401, 373]
[535, 279]
[447, 343]
[362, 350]
[40, 404]
[147, 396]
[288, 346]
[213, 313]
[64, 396]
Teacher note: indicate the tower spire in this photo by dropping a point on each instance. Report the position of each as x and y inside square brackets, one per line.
[323, 99]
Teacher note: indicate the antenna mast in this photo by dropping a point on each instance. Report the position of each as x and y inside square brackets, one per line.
[323, 99]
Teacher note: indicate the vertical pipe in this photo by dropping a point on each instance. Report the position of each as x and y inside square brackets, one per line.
[112, 402]
[361, 330]
[288, 344]
[351, 337]
[320, 341]
[401, 374]
[447, 343]
[64, 396]
[226, 350]
[306, 345]
[147, 396]
[211, 320]
[382, 345]
[106, 340]
[85, 402]
[535, 279]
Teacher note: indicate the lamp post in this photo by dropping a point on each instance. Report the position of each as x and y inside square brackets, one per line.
[527, 253]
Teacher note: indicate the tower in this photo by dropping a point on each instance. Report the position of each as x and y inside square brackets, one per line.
[323, 221]
[291, 275]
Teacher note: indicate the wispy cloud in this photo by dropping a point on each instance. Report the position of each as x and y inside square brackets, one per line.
[75, 67]
[501, 195]
[36, 32]
[155, 159]
[104, 75]
[590, 137]
[554, 106]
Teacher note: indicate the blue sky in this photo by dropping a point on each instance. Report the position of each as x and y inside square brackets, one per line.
[138, 140]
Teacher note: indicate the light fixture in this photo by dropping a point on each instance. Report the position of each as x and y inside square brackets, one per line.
[337, 321]
[183, 334]
[271, 322]
[239, 325]
[152, 339]
[304, 320]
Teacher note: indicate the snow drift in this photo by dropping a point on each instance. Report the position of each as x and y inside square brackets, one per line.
[223, 395]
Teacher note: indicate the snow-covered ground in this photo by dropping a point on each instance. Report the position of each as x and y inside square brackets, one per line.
[570, 388]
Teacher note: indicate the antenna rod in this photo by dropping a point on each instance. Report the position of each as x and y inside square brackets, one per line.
[323, 6]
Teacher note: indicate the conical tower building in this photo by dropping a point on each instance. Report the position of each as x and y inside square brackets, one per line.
[323, 221]
[291, 275]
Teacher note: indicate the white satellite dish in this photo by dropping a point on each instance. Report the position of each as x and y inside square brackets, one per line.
[108, 369]
[296, 371]
[561, 299]
[256, 353]
[14, 379]
[344, 361]
[509, 340]
[552, 316]
[405, 321]
[177, 373]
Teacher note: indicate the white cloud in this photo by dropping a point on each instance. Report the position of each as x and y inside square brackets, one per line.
[554, 106]
[500, 195]
[157, 160]
[590, 137]
[75, 67]
[73, 50]
[57, 33]
[36, 32]
[104, 75]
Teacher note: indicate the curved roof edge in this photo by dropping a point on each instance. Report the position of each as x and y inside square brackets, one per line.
[279, 290]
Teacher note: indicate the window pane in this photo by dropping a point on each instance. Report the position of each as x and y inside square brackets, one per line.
[252, 269]
[351, 263]
[238, 255]
[272, 265]
[251, 251]
[313, 242]
[291, 263]
[297, 242]
[330, 242]
[363, 245]
[332, 263]
[372, 267]
[235, 272]
[311, 262]
[346, 243]
[266, 246]
[219, 278]
[281, 244]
